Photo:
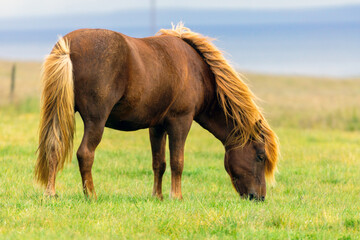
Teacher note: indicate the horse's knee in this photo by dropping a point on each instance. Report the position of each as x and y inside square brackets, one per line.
[159, 168]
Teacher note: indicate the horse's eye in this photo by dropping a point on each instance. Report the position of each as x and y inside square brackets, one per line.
[260, 158]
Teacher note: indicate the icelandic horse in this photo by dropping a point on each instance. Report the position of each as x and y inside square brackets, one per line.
[162, 83]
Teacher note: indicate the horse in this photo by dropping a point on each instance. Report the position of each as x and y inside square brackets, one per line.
[164, 83]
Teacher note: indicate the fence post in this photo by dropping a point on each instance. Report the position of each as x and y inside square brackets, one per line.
[12, 85]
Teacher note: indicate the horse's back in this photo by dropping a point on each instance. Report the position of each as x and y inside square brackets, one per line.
[174, 77]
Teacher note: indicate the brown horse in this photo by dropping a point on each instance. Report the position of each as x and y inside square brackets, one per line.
[162, 83]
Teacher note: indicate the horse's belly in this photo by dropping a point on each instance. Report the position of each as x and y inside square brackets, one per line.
[131, 120]
[125, 125]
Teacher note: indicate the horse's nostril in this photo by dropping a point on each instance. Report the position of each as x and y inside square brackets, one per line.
[262, 198]
[251, 196]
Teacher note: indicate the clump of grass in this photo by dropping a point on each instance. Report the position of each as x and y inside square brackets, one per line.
[352, 223]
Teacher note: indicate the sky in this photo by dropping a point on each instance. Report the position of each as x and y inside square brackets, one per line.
[26, 8]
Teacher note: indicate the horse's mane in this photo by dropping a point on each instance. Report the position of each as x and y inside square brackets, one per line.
[235, 98]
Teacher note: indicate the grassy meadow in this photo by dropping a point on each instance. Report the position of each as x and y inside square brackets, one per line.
[316, 195]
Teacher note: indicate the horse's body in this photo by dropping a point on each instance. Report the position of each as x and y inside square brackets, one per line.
[162, 83]
[139, 97]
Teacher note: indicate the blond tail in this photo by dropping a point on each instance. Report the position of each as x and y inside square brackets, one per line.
[57, 124]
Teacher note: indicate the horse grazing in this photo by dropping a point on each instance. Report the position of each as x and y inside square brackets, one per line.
[162, 83]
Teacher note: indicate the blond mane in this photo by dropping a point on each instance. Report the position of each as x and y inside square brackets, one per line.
[235, 98]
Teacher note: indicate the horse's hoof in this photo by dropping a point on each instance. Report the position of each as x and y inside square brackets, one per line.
[90, 196]
[176, 197]
[51, 196]
[158, 196]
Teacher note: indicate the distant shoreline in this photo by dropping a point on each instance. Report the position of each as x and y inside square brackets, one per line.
[316, 42]
[246, 74]
[330, 50]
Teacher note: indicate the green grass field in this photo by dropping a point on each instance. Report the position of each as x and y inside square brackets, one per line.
[316, 195]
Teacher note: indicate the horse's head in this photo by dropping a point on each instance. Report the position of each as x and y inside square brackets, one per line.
[246, 167]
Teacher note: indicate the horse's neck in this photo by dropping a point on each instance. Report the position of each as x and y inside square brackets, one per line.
[213, 120]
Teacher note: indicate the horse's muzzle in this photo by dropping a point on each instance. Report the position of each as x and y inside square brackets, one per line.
[256, 198]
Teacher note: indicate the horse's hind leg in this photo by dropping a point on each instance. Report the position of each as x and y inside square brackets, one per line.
[158, 142]
[50, 188]
[92, 136]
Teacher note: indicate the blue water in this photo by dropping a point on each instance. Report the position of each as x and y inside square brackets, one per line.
[302, 49]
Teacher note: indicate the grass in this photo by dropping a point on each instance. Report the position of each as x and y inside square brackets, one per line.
[305, 102]
[316, 195]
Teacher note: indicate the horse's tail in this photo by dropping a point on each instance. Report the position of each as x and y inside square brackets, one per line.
[234, 96]
[57, 124]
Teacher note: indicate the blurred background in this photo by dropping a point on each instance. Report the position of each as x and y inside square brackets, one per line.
[311, 37]
[301, 58]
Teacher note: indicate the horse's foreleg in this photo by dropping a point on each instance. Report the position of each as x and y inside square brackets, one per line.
[158, 142]
[85, 154]
[178, 130]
